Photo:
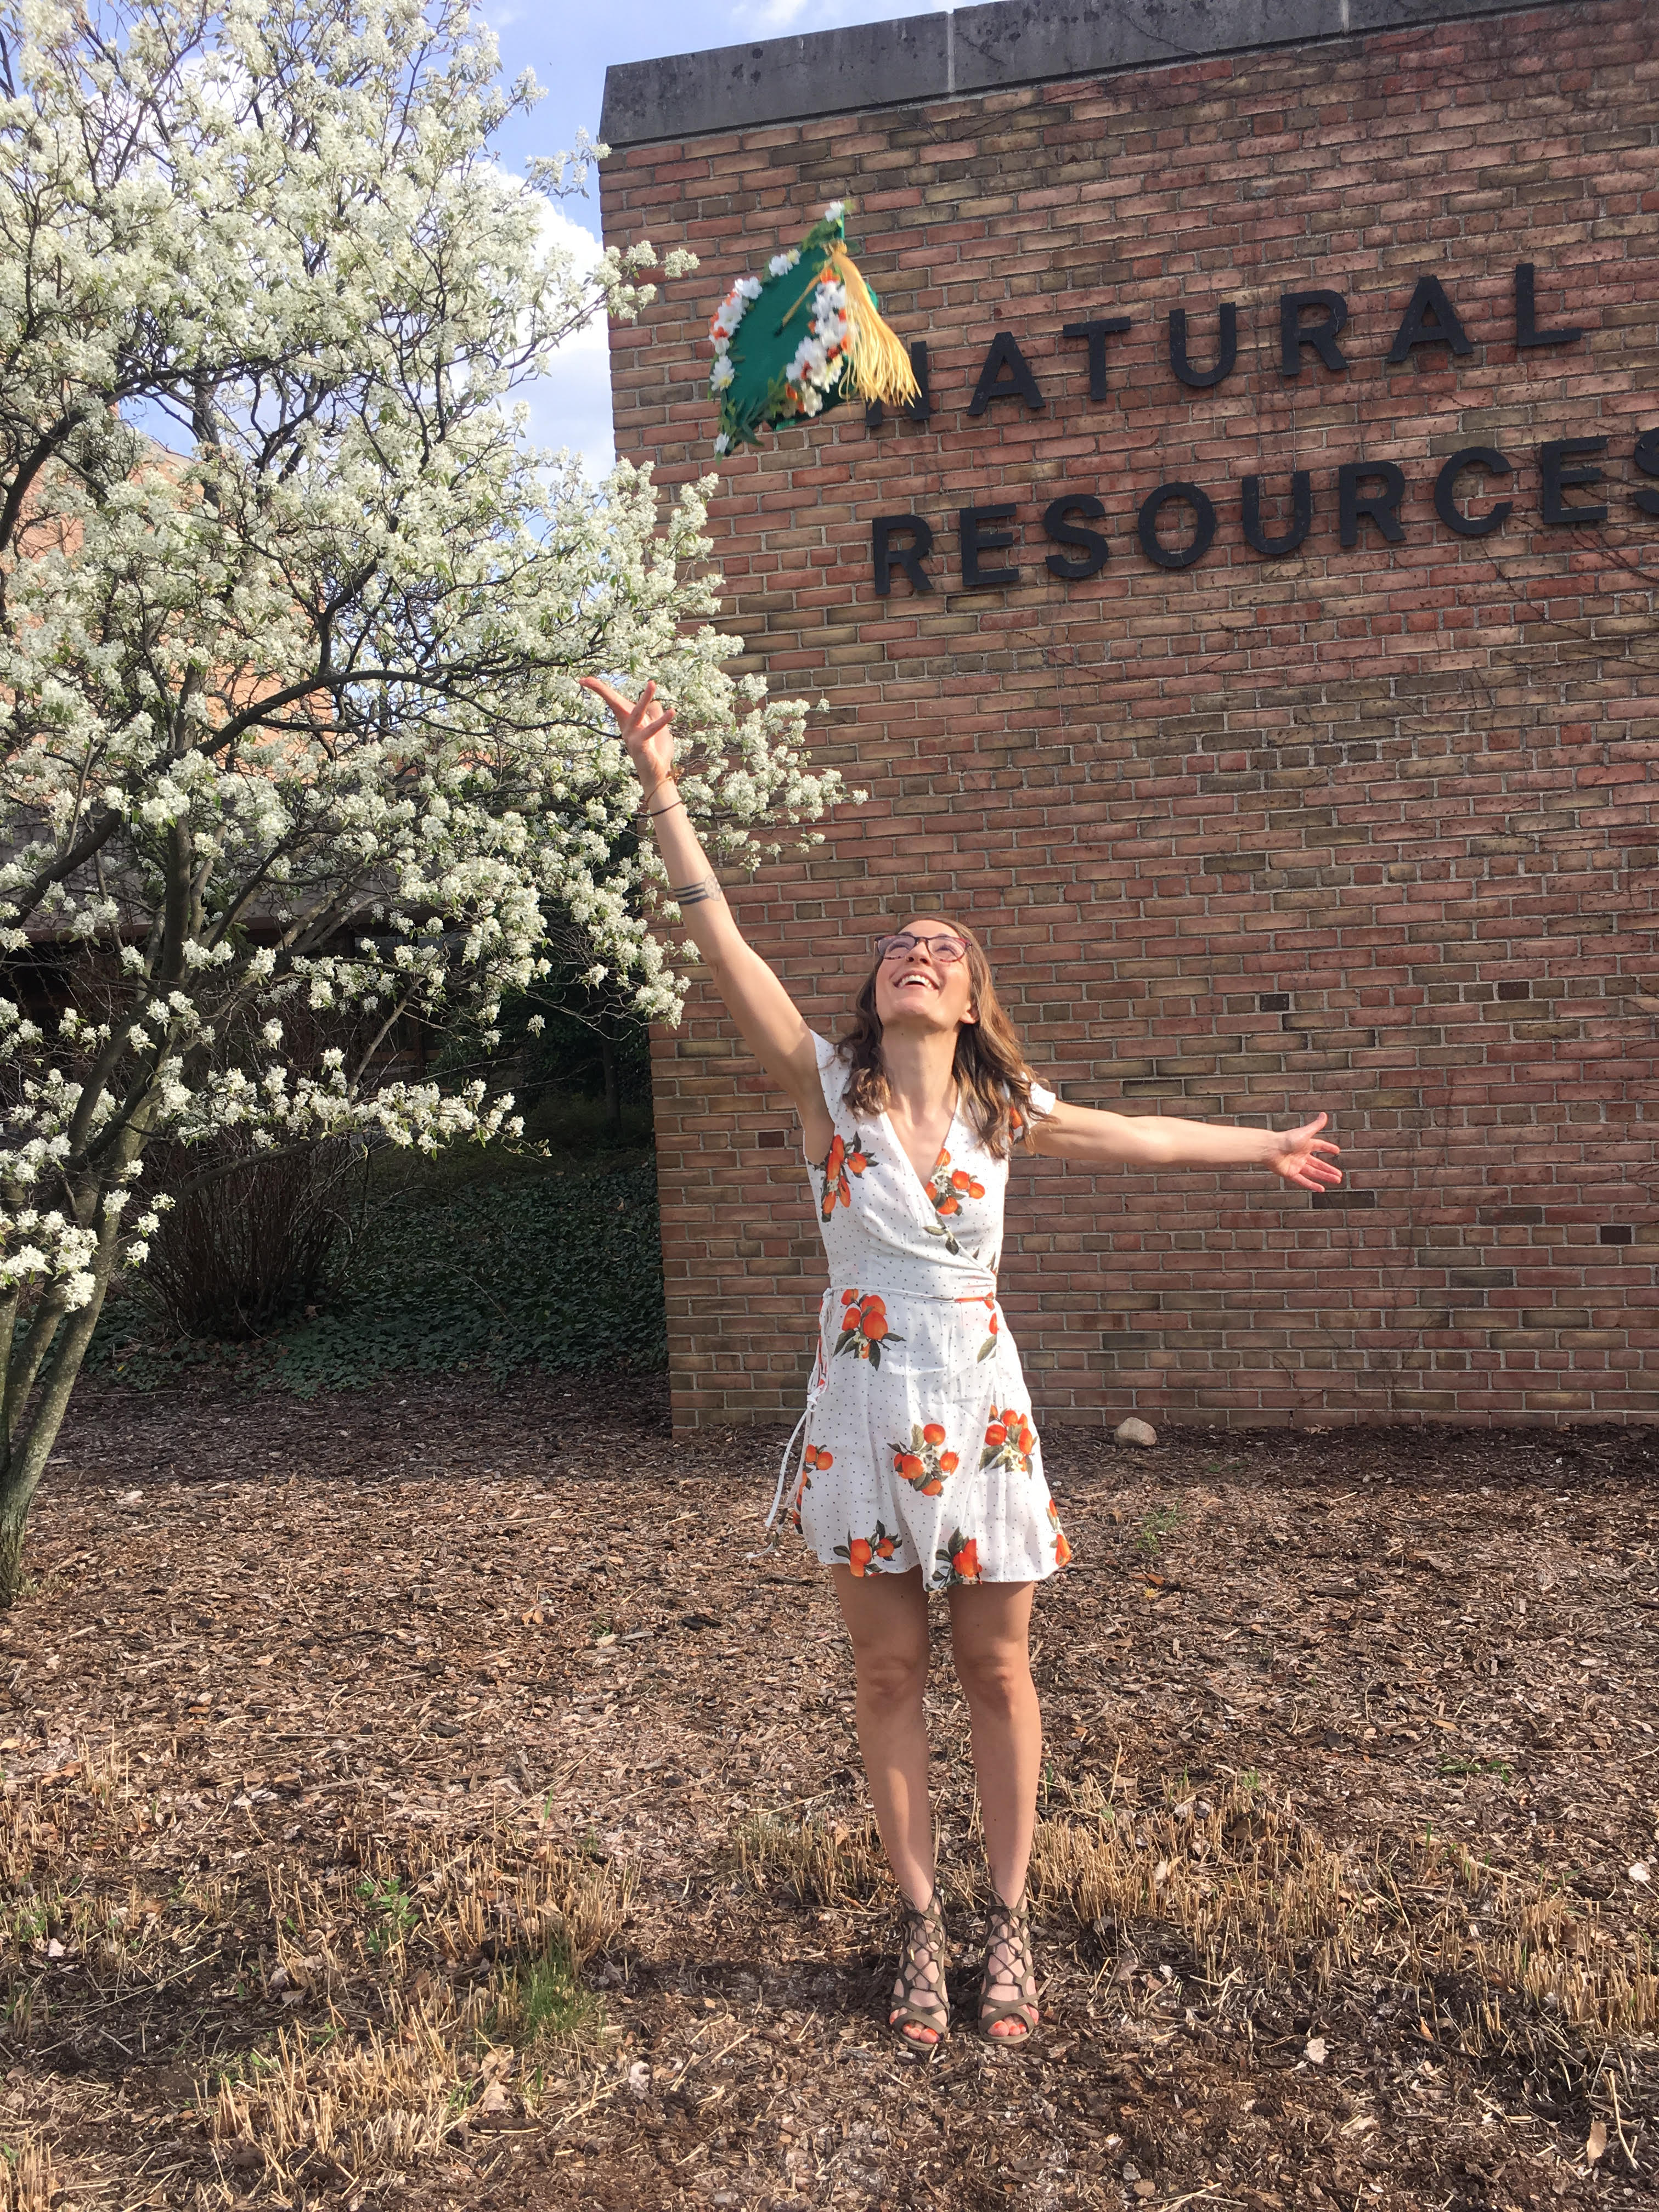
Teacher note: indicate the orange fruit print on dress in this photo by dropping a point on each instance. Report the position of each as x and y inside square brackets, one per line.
[959, 1562]
[921, 1463]
[1010, 1440]
[864, 1326]
[859, 1551]
[838, 1163]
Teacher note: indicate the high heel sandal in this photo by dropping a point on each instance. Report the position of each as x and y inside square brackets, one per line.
[1009, 1965]
[919, 1994]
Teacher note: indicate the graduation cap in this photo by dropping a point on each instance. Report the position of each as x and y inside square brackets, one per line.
[802, 338]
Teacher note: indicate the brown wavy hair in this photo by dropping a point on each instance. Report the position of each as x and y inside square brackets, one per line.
[993, 1079]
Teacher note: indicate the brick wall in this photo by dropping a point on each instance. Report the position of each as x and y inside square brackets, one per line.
[1369, 829]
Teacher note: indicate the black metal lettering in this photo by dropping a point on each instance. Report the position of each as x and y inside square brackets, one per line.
[1559, 479]
[1416, 329]
[1274, 549]
[1019, 383]
[1201, 380]
[1445, 492]
[886, 556]
[1526, 332]
[1380, 507]
[1203, 524]
[975, 539]
[1097, 332]
[1066, 533]
[1294, 333]
[914, 411]
[1646, 457]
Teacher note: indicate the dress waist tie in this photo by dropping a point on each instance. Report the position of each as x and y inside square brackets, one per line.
[789, 1449]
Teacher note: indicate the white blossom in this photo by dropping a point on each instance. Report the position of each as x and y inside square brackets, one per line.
[293, 736]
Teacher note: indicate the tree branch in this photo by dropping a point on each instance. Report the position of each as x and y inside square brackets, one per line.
[101, 827]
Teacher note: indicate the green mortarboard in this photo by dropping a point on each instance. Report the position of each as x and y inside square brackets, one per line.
[801, 339]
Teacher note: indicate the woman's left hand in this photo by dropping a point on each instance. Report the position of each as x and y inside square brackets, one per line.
[1298, 1155]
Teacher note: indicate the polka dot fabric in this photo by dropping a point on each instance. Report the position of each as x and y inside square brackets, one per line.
[919, 1447]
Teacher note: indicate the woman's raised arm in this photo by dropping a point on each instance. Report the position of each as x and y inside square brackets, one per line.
[768, 1018]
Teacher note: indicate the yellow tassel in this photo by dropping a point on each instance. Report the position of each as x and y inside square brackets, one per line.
[881, 362]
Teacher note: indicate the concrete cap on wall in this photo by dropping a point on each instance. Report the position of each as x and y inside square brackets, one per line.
[972, 50]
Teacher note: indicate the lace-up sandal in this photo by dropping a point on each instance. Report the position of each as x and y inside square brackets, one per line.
[919, 1994]
[1008, 1992]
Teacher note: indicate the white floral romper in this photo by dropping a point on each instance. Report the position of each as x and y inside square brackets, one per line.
[920, 1450]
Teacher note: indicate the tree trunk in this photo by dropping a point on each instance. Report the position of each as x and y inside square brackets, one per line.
[35, 1427]
[613, 1088]
[11, 1557]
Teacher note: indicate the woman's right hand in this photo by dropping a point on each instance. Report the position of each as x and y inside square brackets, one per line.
[767, 1018]
[646, 733]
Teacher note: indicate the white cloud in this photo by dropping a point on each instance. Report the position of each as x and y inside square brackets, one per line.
[571, 405]
[775, 15]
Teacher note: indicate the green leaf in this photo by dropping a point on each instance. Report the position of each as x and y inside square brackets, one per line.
[559, 1272]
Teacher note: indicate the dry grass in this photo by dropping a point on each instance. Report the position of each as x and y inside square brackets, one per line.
[436, 1901]
[424, 1973]
[813, 1861]
[1246, 1884]
[326, 2108]
[323, 2107]
[1500, 1970]
[1565, 1962]
[28, 2181]
[1257, 1900]
[122, 1937]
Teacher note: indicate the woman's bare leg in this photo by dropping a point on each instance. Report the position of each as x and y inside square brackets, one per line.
[886, 1617]
[990, 1627]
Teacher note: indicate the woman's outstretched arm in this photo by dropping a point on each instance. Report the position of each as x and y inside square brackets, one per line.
[1301, 1156]
[767, 1018]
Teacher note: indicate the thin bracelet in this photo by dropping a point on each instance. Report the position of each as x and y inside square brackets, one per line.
[652, 812]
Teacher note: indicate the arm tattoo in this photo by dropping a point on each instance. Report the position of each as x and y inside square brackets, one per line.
[693, 894]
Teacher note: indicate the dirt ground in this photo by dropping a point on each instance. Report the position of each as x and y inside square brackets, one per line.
[424, 1797]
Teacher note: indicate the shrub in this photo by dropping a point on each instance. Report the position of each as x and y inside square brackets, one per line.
[252, 1242]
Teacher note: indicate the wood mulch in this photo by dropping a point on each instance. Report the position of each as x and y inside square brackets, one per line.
[315, 1632]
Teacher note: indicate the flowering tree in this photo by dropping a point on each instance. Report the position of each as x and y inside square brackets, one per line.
[290, 717]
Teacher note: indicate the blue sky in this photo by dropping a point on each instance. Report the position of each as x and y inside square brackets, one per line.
[568, 48]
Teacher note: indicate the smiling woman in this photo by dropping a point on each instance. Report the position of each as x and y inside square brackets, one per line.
[921, 1470]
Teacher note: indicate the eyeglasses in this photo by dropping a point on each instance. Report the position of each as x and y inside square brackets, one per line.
[945, 949]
